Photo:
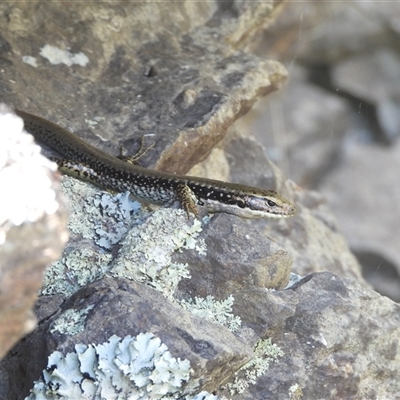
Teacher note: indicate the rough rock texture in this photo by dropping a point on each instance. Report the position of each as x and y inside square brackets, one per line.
[130, 70]
[117, 305]
[32, 227]
[335, 127]
[178, 71]
[312, 236]
[233, 262]
[340, 342]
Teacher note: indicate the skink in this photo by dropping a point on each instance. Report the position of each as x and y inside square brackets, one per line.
[86, 162]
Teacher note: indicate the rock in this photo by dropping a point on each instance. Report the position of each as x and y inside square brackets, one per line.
[372, 223]
[357, 66]
[316, 325]
[183, 87]
[233, 262]
[341, 342]
[312, 236]
[357, 75]
[328, 329]
[175, 75]
[117, 305]
[364, 26]
[293, 33]
[302, 127]
[358, 62]
[32, 227]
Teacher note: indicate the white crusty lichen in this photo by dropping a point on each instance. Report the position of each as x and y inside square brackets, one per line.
[27, 189]
[219, 312]
[265, 352]
[128, 368]
[78, 268]
[71, 321]
[146, 251]
[55, 56]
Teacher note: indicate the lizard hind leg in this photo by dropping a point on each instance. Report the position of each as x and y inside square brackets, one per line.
[188, 200]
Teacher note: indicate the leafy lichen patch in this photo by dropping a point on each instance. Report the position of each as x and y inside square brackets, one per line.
[100, 216]
[71, 322]
[219, 312]
[138, 367]
[145, 255]
[265, 352]
[78, 268]
[146, 249]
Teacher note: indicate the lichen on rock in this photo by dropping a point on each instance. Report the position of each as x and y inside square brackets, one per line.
[265, 352]
[219, 312]
[71, 321]
[145, 255]
[81, 266]
[140, 368]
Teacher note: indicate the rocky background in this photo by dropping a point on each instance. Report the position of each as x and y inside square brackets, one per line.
[146, 304]
[335, 126]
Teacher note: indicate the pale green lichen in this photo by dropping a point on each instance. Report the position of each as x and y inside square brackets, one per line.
[265, 352]
[295, 392]
[100, 216]
[139, 368]
[168, 278]
[219, 312]
[78, 268]
[71, 322]
[145, 255]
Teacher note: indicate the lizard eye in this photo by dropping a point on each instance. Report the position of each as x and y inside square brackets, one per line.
[271, 203]
[241, 204]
